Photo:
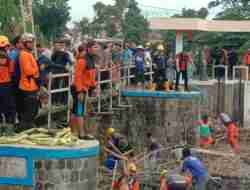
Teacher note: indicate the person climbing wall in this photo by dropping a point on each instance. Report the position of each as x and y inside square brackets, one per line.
[117, 148]
[232, 131]
[194, 166]
[205, 132]
[128, 180]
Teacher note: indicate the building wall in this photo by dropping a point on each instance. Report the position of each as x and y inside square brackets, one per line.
[70, 174]
[169, 120]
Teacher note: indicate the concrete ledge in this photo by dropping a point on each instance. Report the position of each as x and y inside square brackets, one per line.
[18, 163]
[161, 94]
[86, 149]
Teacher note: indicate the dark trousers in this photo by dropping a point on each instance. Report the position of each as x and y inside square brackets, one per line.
[160, 78]
[60, 98]
[185, 76]
[30, 108]
[18, 101]
[176, 187]
[7, 103]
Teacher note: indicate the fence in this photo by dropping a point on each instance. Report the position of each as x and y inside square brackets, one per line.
[125, 75]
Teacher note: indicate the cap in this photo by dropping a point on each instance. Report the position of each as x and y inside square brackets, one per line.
[132, 168]
[140, 47]
[27, 37]
[4, 41]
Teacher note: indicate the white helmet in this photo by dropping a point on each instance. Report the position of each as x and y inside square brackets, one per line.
[27, 37]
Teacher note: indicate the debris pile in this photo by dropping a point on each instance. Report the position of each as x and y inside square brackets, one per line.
[42, 137]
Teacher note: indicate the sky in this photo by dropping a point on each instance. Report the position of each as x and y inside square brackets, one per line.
[84, 8]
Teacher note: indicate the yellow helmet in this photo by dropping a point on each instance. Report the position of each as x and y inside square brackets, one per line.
[110, 131]
[132, 168]
[160, 47]
[4, 41]
[163, 172]
[148, 44]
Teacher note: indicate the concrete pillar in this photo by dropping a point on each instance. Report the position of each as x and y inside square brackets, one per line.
[179, 42]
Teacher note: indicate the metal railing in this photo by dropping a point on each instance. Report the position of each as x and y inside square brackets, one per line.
[56, 91]
[240, 68]
[125, 75]
[218, 68]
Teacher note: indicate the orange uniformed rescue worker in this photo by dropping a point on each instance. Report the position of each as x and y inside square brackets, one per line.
[174, 182]
[232, 132]
[128, 180]
[84, 81]
[246, 59]
[29, 82]
[78, 91]
[7, 104]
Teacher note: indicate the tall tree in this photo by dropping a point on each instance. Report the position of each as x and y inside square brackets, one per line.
[232, 9]
[51, 16]
[191, 13]
[109, 18]
[83, 26]
[135, 26]
[9, 16]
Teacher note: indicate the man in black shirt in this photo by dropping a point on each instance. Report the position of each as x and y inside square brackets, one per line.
[60, 64]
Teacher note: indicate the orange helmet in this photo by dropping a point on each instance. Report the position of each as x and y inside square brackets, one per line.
[132, 168]
[4, 41]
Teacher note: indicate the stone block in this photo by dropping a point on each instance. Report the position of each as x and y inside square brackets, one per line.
[49, 186]
[42, 175]
[92, 185]
[75, 177]
[48, 164]
[69, 164]
[83, 175]
[77, 164]
[39, 164]
[39, 186]
[61, 164]
[66, 175]
[55, 177]
[26, 188]
[82, 186]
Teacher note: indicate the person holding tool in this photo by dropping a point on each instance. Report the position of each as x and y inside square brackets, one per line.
[196, 168]
[117, 148]
[232, 132]
[128, 180]
[174, 182]
[205, 132]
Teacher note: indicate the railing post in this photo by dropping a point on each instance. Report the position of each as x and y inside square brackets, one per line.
[120, 86]
[50, 100]
[69, 94]
[99, 86]
[225, 68]
[111, 89]
[130, 63]
[240, 68]
[151, 71]
[226, 73]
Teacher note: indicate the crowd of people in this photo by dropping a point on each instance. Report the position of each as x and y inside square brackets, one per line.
[24, 76]
[24, 88]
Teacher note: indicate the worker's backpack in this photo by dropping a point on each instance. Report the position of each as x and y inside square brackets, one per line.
[176, 182]
[17, 72]
[247, 58]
